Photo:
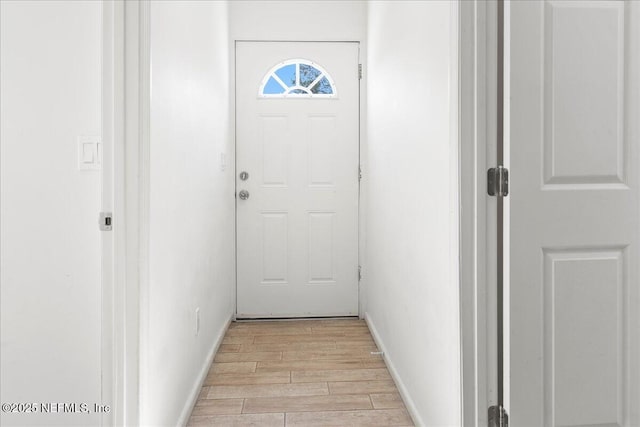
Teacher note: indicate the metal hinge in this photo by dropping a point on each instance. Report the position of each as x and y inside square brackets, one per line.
[498, 417]
[105, 221]
[359, 173]
[359, 273]
[360, 71]
[498, 181]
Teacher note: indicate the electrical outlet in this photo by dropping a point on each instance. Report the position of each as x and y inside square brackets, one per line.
[197, 321]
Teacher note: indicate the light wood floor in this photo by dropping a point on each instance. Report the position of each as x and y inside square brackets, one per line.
[299, 373]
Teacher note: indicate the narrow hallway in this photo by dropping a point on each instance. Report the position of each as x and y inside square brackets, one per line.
[299, 373]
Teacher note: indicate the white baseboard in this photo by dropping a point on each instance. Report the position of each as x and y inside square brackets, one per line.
[197, 386]
[411, 407]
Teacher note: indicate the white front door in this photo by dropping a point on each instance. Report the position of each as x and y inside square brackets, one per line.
[575, 218]
[297, 164]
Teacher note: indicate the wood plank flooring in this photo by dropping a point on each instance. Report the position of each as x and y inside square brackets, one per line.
[299, 373]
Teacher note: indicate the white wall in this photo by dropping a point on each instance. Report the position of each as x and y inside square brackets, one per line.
[50, 254]
[299, 20]
[191, 258]
[412, 293]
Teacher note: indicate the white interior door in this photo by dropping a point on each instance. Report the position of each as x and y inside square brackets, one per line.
[574, 233]
[297, 139]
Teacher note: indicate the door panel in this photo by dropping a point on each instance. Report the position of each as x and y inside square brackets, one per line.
[297, 232]
[574, 216]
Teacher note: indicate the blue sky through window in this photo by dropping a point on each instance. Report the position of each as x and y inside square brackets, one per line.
[299, 77]
[287, 74]
[273, 87]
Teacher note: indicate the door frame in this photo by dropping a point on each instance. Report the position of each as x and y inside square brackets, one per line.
[110, 12]
[125, 136]
[361, 124]
[478, 212]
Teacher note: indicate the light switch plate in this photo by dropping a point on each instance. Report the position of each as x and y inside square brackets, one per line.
[89, 153]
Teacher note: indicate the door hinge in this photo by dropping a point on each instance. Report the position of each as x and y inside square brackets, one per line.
[359, 173]
[105, 221]
[498, 417]
[360, 71]
[498, 181]
[359, 273]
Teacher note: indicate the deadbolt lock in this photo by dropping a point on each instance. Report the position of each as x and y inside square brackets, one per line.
[244, 175]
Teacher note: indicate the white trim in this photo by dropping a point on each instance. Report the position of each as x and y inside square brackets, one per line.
[474, 229]
[362, 193]
[116, 377]
[108, 372]
[125, 135]
[190, 403]
[409, 403]
[506, 252]
[138, 83]
[454, 176]
[487, 207]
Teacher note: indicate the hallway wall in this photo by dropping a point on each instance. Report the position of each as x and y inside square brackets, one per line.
[297, 20]
[192, 239]
[50, 255]
[410, 185]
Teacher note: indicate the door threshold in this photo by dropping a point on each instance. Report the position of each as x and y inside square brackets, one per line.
[280, 319]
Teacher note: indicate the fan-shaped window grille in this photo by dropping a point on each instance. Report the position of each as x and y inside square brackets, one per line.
[297, 78]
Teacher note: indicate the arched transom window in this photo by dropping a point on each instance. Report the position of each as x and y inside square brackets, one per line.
[297, 78]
